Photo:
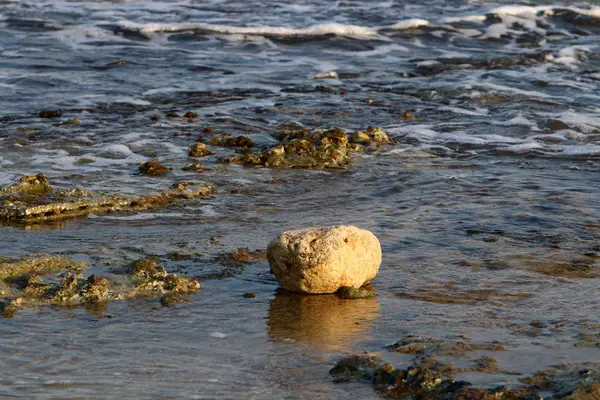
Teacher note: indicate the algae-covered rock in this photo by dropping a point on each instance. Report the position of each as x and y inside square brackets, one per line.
[42, 264]
[33, 199]
[190, 115]
[169, 300]
[144, 278]
[199, 149]
[152, 168]
[428, 346]
[230, 141]
[355, 368]
[32, 184]
[361, 137]
[147, 268]
[50, 113]
[302, 149]
[352, 293]
[322, 260]
[96, 288]
[180, 284]
[371, 135]
[153, 280]
[9, 306]
[196, 167]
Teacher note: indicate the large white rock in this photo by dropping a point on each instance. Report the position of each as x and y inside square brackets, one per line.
[321, 260]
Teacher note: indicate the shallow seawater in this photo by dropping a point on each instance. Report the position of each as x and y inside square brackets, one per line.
[487, 208]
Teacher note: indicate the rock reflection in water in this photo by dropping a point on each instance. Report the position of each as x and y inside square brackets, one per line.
[324, 322]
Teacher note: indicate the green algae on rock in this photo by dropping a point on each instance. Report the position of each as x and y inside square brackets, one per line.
[33, 199]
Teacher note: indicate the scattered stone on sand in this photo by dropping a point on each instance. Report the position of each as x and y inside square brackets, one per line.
[152, 168]
[33, 199]
[199, 149]
[322, 260]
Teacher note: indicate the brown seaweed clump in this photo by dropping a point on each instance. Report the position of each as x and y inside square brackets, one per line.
[33, 200]
[152, 168]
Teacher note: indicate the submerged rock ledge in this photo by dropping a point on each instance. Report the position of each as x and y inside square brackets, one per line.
[31, 282]
[34, 199]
